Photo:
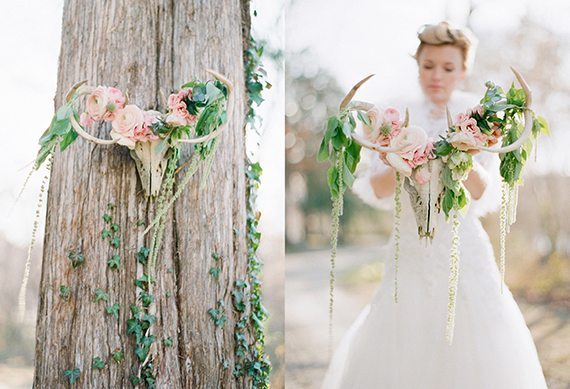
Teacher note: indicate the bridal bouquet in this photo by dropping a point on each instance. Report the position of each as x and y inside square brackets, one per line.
[433, 172]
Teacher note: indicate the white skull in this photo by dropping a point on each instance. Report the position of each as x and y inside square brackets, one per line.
[425, 199]
[151, 164]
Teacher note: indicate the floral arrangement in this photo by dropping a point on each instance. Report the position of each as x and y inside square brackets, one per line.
[196, 115]
[434, 172]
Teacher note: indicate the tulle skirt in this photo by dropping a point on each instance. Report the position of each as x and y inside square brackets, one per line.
[403, 346]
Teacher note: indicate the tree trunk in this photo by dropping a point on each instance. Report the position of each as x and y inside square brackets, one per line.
[144, 47]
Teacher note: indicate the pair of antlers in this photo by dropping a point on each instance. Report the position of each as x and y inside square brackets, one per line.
[347, 103]
[77, 127]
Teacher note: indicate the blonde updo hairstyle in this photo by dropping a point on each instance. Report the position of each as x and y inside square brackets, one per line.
[442, 34]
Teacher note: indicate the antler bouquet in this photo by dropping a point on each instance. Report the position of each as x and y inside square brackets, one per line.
[196, 114]
[433, 172]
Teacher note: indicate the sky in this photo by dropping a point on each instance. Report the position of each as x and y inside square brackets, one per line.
[29, 42]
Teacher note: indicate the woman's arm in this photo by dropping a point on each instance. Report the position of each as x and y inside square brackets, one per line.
[384, 183]
[476, 181]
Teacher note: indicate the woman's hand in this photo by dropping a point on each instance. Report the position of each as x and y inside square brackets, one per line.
[384, 183]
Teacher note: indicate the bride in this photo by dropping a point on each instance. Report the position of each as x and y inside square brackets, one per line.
[402, 345]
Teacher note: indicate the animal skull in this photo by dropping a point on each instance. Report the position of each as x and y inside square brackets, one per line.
[151, 163]
[425, 198]
[149, 156]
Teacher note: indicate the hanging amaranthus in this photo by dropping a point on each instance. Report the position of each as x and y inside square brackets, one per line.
[397, 215]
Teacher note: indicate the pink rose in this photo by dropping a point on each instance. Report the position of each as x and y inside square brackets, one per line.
[103, 102]
[124, 124]
[179, 110]
[116, 101]
[97, 103]
[414, 149]
[85, 120]
[385, 125]
[144, 132]
[467, 135]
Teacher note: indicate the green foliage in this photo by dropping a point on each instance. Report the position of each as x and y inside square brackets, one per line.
[114, 261]
[64, 292]
[215, 272]
[117, 355]
[142, 255]
[168, 342]
[116, 241]
[72, 375]
[113, 310]
[60, 131]
[344, 154]
[105, 233]
[218, 315]
[98, 363]
[254, 78]
[76, 257]
[101, 295]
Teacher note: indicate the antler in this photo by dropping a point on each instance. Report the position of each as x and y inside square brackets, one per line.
[80, 89]
[528, 120]
[346, 103]
[217, 131]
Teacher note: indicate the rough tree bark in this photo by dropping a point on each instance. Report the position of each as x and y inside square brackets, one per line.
[144, 47]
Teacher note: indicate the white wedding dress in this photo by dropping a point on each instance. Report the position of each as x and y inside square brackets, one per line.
[402, 345]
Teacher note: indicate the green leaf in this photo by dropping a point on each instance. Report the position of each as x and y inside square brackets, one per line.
[77, 258]
[117, 355]
[72, 375]
[363, 118]
[61, 127]
[215, 272]
[146, 298]
[105, 233]
[107, 218]
[101, 295]
[113, 310]
[516, 96]
[448, 201]
[323, 151]
[64, 112]
[114, 262]
[544, 126]
[64, 292]
[98, 363]
[142, 255]
[442, 148]
[116, 241]
[168, 342]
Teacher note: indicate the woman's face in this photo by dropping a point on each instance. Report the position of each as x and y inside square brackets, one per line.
[441, 68]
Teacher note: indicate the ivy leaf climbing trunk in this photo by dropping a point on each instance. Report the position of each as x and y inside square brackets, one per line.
[97, 213]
